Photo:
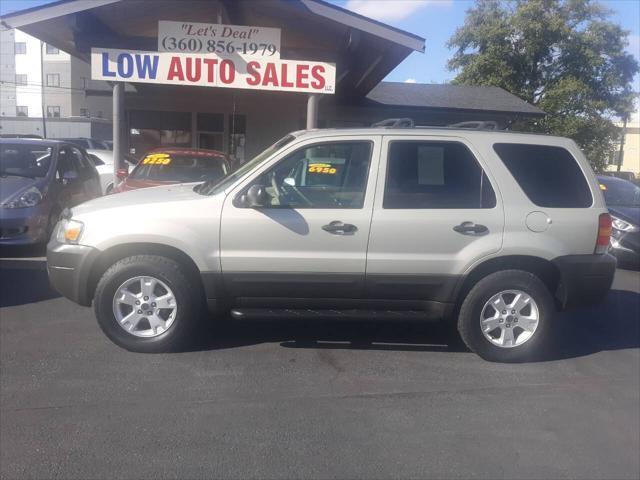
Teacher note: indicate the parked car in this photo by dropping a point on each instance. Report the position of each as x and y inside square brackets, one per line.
[623, 200]
[493, 229]
[103, 160]
[88, 143]
[38, 179]
[175, 165]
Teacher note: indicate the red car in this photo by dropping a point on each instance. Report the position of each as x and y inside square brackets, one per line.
[165, 166]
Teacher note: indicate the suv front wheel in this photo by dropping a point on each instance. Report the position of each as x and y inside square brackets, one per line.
[146, 303]
[506, 316]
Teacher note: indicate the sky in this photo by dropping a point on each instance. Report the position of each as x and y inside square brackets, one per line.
[434, 20]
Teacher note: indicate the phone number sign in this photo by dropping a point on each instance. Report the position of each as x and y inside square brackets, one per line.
[222, 40]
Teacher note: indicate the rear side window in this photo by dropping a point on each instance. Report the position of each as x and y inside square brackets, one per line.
[435, 175]
[549, 176]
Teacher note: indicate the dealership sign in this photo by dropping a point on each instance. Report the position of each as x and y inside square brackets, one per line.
[223, 40]
[213, 70]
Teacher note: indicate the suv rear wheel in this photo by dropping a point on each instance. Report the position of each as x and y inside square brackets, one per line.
[506, 315]
[146, 303]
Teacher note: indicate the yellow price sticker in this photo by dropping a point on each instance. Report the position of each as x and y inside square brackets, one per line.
[325, 168]
[157, 159]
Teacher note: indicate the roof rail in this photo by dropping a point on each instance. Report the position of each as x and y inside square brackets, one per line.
[395, 123]
[477, 125]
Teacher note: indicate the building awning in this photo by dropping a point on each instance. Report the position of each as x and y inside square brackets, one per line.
[364, 50]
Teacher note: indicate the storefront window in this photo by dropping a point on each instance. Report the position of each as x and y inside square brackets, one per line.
[153, 129]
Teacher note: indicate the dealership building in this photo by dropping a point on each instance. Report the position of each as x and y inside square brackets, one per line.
[297, 39]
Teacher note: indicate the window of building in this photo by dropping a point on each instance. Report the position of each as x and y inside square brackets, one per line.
[324, 175]
[21, 79]
[53, 79]
[435, 175]
[21, 48]
[53, 111]
[51, 50]
[84, 112]
[549, 176]
[22, 111]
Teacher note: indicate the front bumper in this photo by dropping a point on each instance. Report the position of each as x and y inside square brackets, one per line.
[584, 279]
[24, 226]
[69, 268]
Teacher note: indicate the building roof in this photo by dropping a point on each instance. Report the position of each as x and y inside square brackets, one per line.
[364, 50]
[450, 97]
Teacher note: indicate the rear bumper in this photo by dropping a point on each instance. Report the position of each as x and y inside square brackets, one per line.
[69, 268]
[584, 279]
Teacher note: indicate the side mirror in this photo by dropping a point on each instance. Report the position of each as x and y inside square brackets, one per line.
[257, 196]
[122, 173]
[290, 181]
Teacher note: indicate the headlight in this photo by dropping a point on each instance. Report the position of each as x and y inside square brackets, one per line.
[69, 231]
[623, 226]
[29, 198]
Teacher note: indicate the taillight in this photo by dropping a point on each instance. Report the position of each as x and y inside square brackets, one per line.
[604, 233]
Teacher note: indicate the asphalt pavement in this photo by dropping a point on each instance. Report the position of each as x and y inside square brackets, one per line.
[319, 400]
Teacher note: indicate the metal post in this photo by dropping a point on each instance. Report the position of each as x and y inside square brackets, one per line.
[312, 111]
[42, 99]
[118, 119]
[621, 150]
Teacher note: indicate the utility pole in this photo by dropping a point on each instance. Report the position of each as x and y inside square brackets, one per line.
[44, 120]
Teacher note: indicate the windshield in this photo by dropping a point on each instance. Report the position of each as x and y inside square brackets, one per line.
[24, 160]
[212, 188]
[620, 193]
[180, 167]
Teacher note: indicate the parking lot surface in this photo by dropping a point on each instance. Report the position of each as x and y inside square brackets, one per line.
[318, 400]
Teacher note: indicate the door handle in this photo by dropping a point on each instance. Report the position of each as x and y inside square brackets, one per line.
[339, 228]
[470, 228]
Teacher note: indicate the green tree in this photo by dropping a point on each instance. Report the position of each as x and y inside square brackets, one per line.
[564, 56]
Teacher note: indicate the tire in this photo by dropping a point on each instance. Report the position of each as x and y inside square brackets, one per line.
[182, 324]
[506, 285]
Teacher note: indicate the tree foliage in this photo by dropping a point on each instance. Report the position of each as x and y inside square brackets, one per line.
[564, 56]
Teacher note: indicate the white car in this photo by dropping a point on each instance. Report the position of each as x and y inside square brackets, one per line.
[493, 230]
[103, 160]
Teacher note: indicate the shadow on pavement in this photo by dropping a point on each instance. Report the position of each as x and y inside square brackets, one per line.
[24, 281]
[611, 325]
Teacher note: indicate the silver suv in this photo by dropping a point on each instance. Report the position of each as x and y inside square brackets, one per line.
[495, 230]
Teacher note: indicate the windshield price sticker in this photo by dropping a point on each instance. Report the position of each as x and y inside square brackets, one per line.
[223, 40]
[157, 159]
[325, 168]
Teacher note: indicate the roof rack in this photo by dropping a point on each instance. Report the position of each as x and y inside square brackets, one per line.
[477, 125]
[395, 123]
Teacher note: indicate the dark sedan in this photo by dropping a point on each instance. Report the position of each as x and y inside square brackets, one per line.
[623, 200]
[38, 179]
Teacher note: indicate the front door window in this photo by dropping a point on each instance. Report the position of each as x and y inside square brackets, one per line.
[326, 175]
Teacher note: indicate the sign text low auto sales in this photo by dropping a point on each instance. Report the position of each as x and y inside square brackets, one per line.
[212, 70]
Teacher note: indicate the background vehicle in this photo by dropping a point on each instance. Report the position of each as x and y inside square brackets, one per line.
[88, 143]
[623, 200]
[175, 165]
[494, 229]
[38, 179]
[103, 160]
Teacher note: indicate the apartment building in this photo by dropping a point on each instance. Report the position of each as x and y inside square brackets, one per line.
[38, 80]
